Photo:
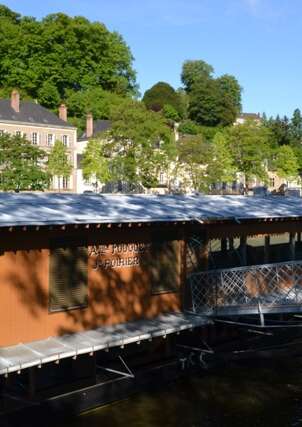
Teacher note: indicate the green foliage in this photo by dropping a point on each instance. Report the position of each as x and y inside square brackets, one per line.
[170, 113]
[193, 71]
[296, 128]
[61, 54]
[94, 164]
[250, 148]
[286, 163]
[221, 167]
[21, 165]
[161, 96]
[188, 127]
[140, 144]
[58, 163]
[193, 156]
[94, 100]
[231, 91]
[280, 130]
[212, 101]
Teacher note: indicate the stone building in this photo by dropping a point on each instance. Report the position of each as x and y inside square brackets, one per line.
[42, 128]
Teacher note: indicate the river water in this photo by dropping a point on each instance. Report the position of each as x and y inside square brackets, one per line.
[246, 394]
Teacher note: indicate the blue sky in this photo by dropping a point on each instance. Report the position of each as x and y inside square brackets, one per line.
[258, 41]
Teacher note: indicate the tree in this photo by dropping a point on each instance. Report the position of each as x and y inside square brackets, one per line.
[21, 165]
[212, 101]
[139, 144]
[250, 148]
[193, 71]
[295, 128]
[280, 130]
[162, 95]
[60, 53]
[193, 157]
[286, 163]
[94, 164]
[231, 90]
[58, 163]
[221, 167]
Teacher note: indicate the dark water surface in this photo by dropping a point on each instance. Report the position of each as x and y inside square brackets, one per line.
[253, 393]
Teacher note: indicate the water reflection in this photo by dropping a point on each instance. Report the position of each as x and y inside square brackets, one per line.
[251, 394]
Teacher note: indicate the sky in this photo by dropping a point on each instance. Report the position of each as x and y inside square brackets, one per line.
[258, 41]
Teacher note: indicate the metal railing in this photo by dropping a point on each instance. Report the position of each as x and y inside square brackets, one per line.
[276, 287]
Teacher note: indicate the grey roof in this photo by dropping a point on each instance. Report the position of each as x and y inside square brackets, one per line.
[49, 208]
[30, 112]
[98, 126]
[21, 356]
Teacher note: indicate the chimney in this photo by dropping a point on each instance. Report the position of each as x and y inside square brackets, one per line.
[15, 101]
[89, 125]
[63, 112]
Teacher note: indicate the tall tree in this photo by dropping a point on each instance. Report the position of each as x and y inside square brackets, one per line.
[212, 101]
[21, 165]
[295, 128]
[94, 164]
[161, 95]
[193, 157]
[59, 53]
[220, 167]
[140, 144]
[194, 71]
[286, 163]
[58, 164]
[250, 146]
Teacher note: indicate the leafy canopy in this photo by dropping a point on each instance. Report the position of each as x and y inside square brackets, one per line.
[286, 163]
[162, 95]
[220, 167]
[58, 163]
[249, 144]
[193, 157]
[61, 55]
[21, 165]
[211, 101]
[140, 144]
[94, 163]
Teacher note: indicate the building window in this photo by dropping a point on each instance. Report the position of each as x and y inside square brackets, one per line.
[79, 161]
[34, 138]
[272, 182]
[68, 282]
[18, 133]
[65, 183]
[50, 139]
[1, 132]
[65, 140]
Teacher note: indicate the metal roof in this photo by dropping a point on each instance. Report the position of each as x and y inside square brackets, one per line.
[36, 353]
[49, 208]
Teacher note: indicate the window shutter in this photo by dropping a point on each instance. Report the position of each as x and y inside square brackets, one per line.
[68, 281]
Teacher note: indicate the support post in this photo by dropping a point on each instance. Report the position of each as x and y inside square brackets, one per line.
[266, 249]
[243, 250]
[292, 246]
[31, 382]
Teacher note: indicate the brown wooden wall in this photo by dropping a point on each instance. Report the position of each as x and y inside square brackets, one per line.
[114, 295]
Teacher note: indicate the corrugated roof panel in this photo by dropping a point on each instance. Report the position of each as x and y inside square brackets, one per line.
[47, 208]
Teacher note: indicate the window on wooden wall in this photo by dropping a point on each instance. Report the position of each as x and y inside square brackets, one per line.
[68, 282]
[162, 264]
